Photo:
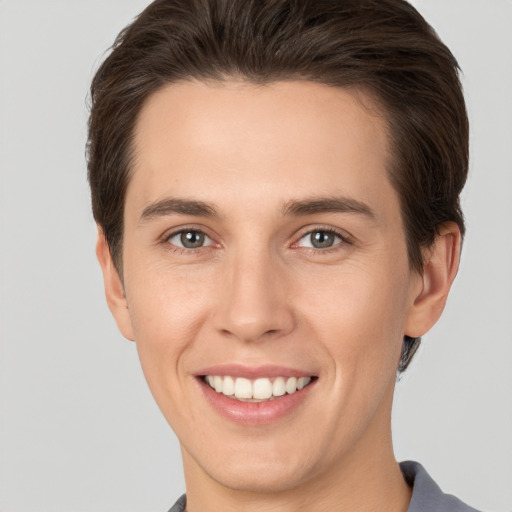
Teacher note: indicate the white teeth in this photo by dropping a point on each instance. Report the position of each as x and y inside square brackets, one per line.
[303, 382]
[291, 385]
[279, 387]
[218, 383]
[243, 388]
[262, 389]
[259, 389]
[228, 386]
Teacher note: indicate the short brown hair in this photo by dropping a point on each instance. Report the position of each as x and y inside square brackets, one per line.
[381, 46]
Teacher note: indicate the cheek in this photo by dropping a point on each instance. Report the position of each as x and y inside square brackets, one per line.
[166, 303]
[167, 311]
[360, 316]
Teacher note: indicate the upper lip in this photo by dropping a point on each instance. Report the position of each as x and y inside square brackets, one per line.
[253, 372]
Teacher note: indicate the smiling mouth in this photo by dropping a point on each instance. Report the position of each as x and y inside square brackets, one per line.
[256, 390]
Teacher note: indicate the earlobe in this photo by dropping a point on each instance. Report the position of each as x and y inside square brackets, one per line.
[114, 290]
[439, 271]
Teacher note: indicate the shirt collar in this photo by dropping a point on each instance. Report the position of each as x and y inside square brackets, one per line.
[426, 494]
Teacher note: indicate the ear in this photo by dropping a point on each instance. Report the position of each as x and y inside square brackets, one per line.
[114, 290]
[439, 271]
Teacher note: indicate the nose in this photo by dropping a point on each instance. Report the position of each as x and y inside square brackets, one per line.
[253, 298]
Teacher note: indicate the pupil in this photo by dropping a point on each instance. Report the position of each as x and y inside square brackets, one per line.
[192, 239]
[322, 239]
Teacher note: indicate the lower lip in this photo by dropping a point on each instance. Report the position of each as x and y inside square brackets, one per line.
[255, 413]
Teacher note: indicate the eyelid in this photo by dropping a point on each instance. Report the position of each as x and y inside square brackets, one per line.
[167, 235]
[346, 238]
[206, 239]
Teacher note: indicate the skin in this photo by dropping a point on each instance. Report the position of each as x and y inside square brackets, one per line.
[257, 292]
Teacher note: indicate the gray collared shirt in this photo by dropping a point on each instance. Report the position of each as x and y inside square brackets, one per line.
[426, 494]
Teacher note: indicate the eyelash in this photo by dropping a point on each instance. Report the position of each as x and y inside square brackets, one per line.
[185, 250]
[344, 240]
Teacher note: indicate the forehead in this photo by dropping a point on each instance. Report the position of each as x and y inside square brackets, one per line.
[218, 141]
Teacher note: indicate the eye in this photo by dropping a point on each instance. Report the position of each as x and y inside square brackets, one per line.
[320, 239]
[190, 239]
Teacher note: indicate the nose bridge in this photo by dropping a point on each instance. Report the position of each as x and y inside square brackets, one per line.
[253, 301]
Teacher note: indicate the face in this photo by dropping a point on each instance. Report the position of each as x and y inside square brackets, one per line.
[266, 280]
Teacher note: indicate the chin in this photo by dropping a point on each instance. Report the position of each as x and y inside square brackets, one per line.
[262, 467]
[260, 479]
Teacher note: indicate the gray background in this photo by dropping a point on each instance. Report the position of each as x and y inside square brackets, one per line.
[78, 427]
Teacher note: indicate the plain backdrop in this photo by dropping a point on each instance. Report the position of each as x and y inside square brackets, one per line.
[78, 428]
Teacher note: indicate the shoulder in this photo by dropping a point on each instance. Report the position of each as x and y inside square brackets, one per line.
[426, 494]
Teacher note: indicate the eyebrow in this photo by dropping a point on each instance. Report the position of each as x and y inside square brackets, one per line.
[180, 206]
[293, 208]
[328, 205]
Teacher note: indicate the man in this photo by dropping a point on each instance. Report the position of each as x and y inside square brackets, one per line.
[276, 186]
